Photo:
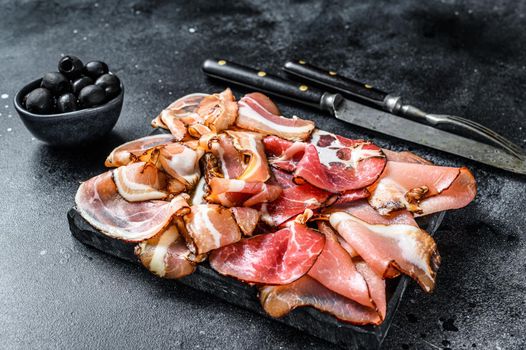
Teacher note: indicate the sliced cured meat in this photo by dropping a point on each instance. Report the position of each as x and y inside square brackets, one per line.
[230, 159]
[352, 195]
[140, 181]
[99, 202]
[180, 114]
[273, 258]
[219, 111]
[363, 211]
[405, 157]
[406, 185]
[237, 193]
[257, 114]
[405, 248]
[278, 301]
[335, 269]
[337, 164]
[250, 145]
[284, 154]
[166, 254]
[137, 150]
[208, 227]
[376, 285]
[246, 218]
[181, 162]
[293, 200]
[325, 228]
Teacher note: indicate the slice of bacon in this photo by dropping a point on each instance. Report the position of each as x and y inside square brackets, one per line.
[182, 163]
[407, 185]
[238, 193]
[250, 145]
[166, 254]
[257, 113]
[246, 218]
[137, 150]
[273, 258]
[140, 181]
[219, 111]
[278, 301]
[405, 248]
[208, 227]
[335, 269]
[99, 202]
[230, 159]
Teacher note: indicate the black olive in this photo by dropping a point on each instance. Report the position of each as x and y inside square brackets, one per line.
[95, 69]
[111, 85]
[112, 92]
[92, 95]
[81, 83]
[39, 101]
[56, 82]
[70, 66]
[67, 103]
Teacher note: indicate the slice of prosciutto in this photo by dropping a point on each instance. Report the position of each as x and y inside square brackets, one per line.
[166, 254]
[272, 258]
[208, 227]
[230, 159]
[182, 163]
[278, 301]
[401, 247]
[219, 111]
[137, 150]
[140, 181]
[237, 193]
[335, 269]
[258, 113]
[284, 154]
[376, 285]
[99, 202]
[250, 145]
[408, 185]
[246, 218]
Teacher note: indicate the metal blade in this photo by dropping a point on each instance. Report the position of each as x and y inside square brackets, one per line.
[405, 129]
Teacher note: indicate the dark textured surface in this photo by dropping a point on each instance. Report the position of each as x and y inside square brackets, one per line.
[464, 58]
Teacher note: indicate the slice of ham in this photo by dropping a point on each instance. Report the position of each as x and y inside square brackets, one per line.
[166, 254]
[402, 247]
[258, 113]
[278, 301]
[237, 193]
[137, 150]
[407, 185]
[208, 227]
[273, 258]
[182, 163]
[140, 181]
[99, 202]
[246, 218]
[335, 269]
[219, 111]
[250, 145]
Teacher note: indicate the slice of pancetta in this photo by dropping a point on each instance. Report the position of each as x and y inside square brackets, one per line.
[257, 113]
[137, 150]
[335, 269]
[230, 159]
[238, 193]
[182, 163]
[166, 254]
[407, 185]
[99, 202]
[246, 218]
[208, 227]
[402, 247]
[250, 145]
[140, 181]
[219, 111]
[272, 258]
[279, 300]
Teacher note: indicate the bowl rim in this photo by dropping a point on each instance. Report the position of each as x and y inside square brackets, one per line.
[81, 112]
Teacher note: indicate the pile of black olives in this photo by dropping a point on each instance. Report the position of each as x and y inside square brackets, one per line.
[75, 86]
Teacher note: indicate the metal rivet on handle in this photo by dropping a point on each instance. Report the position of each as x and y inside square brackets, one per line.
[331, 72]
[367, 86]
[261, 73]
[301, 62]
[221, 62]
[304, 87]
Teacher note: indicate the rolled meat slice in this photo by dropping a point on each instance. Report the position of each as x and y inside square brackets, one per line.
[272, 258]
[137, 150]
[237, 193]
[230, 159]
[219, 111]
[141, 181]
[250, 145]
[182, 163]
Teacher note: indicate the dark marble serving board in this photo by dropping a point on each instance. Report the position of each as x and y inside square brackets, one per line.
[462, 57]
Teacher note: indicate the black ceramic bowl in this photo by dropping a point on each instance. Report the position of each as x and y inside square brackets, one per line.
[70, 128]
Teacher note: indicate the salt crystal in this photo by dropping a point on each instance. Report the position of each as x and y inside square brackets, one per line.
[84, 38]
[9, 129]
[160, 81]
[96, 4]
[75, 31]
[4, 96]
[43, 252]
[191, 30]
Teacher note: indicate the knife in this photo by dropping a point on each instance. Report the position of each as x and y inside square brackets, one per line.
[364, 116]
[391, 103]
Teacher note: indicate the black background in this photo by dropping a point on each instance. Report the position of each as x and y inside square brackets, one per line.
[459, 57]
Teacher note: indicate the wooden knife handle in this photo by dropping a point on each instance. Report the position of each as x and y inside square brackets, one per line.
[262, 81]
[334, 82]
